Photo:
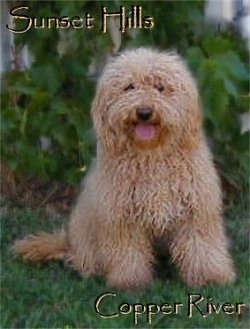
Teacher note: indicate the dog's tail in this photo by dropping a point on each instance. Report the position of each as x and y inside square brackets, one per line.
[43, 246]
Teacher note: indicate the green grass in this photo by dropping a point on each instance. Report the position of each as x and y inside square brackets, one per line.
[53, 296]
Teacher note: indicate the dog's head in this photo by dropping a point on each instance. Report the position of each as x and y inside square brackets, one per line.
[146, 99]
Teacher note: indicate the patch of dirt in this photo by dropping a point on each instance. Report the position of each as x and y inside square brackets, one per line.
[35, 193]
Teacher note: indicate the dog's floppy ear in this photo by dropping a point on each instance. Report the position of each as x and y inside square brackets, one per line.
[104, 132]
[193, 128]
[96, 114]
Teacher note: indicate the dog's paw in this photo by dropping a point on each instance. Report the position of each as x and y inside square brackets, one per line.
[128, 280]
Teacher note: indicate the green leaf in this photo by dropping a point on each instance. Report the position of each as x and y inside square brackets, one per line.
[216, 45]
[232, 64]
[230, 87]
[39, 101]
[194, 57]
[47, 77]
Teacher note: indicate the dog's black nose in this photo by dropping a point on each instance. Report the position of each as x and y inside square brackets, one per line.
[144, 113]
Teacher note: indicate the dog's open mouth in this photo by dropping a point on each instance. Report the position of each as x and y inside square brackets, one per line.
[145, 131]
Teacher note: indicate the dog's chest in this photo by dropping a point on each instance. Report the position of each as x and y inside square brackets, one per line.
[153, 197]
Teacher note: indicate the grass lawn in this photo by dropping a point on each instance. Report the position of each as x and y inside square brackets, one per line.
[52, 296]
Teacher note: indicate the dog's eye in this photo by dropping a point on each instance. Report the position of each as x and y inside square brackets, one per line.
[129, 87]
[159, 87]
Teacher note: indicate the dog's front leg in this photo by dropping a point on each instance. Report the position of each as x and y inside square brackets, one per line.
[199, 250]
[126, 254]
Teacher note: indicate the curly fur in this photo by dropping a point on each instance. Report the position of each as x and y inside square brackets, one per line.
[141, 190]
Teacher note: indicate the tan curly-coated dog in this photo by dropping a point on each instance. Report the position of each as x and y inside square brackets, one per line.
[153, 182]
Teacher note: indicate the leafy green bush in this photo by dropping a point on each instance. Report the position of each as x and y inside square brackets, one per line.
[53, 97]
[223, 81]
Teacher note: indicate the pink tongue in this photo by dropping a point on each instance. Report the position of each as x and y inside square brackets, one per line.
[145, 131]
